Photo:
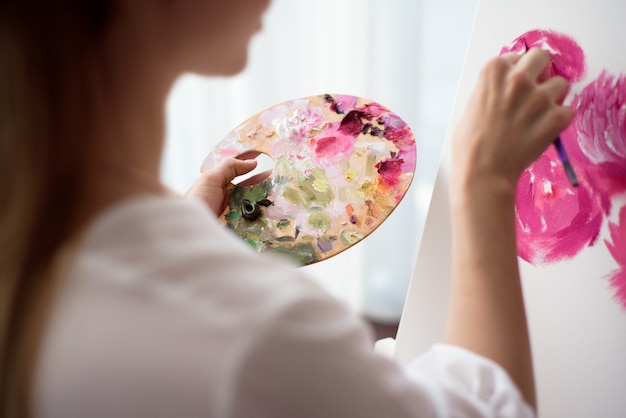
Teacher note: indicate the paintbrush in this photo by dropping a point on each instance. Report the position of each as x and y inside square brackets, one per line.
[560, 149]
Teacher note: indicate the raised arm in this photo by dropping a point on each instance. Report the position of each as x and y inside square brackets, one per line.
[513, 114]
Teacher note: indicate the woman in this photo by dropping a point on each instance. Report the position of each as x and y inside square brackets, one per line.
[119, 299]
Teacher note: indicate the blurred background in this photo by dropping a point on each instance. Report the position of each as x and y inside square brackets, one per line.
[404, 54]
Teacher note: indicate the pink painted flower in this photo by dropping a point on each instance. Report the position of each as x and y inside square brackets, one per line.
[600, 127]
[568, 59]
[555, 220]
[601, 119]
[617, 247]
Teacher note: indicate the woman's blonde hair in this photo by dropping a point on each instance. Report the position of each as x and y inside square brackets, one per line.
[48, 62]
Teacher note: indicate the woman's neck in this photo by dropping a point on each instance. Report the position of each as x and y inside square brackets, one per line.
[129, 127]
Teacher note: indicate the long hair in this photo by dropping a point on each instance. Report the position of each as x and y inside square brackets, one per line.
[47, 66]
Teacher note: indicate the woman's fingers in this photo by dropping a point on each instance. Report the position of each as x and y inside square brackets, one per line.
[212, 185]
[556, 88]
[555, 121]
[511, 57]
[256, 179]
[513, 115]
[533, 63]
[231, 168]
[227, 170]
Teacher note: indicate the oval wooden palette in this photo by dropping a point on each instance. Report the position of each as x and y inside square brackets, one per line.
[341, 166]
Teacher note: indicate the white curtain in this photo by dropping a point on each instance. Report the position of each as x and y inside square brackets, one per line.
[404, 54]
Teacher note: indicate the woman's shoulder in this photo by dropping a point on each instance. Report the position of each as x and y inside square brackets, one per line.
[176, 242]
[159, 292]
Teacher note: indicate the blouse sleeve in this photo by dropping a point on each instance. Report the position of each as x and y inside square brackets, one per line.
[316, 359]
[468, 384]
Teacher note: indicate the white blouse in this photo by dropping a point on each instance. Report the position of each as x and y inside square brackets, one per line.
[165, 313]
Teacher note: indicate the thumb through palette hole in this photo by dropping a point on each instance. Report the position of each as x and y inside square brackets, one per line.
[263, 169]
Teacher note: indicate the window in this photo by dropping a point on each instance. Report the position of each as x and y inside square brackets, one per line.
[405, 54]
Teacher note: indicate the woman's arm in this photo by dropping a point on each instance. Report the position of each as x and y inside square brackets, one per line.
[512, 116]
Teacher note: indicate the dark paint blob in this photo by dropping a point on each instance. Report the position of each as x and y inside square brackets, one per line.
[390, 171]
[334, 106]
[250, 210]
[352, 123]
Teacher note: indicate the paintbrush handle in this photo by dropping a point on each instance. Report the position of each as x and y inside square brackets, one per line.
[560, 149]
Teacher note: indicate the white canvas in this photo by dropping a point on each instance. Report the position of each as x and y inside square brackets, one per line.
[577, 325]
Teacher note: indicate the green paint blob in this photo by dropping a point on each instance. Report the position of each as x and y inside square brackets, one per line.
[301, 253]
[319, 220]
[350, 236]
[233, 215]
[310, 190]
[253, 193]
[254, 244]
[294, 196]
[283, 224]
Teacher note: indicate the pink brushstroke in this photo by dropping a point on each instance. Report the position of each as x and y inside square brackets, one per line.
[345, 102]
[555, 221]
[617, 247]
[334, 147]
[374, 109]
[568, 59]
[397, 131]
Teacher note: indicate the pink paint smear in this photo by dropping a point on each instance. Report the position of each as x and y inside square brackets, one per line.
[568, 59]
[617, 247]
[337, 141]
[555, 221]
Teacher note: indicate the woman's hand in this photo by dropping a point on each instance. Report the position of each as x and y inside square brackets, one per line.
[212, 186]
[513, 115]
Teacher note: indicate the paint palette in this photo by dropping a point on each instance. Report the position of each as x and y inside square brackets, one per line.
[341, 166]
